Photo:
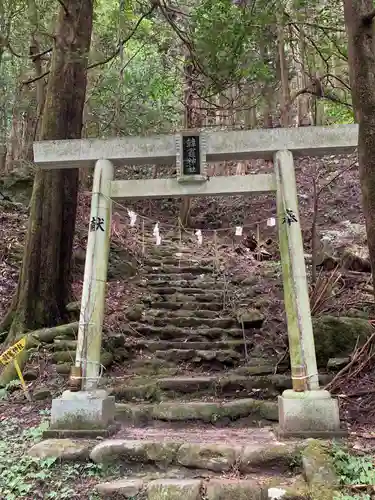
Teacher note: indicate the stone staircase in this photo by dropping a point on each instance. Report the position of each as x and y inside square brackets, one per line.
[196, 399]
[197, 359]
[196, 403]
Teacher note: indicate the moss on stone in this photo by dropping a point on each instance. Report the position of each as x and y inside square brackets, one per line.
[208, 456]
[233, 489]
[319, 470]
[250, 318]
[78, 422]
[170, 489]
[147, 392]
[337, 337]
[63, 368]
[106, 358]
[253, 457]
[63, 356]
[135, 451]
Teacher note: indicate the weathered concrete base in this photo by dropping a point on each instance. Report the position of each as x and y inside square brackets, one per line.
[82, 414]
[308, 414]
[82, 433]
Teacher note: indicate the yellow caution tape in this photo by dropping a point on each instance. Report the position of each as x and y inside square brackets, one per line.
[13, 351]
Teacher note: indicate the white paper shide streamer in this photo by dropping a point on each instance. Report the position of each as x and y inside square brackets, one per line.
[198, 234]
[157, 234]
[133, 217]
[271, 222]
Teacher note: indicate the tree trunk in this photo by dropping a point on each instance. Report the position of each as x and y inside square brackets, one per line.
[19, 152]
[192, 119]
[359, 24]
[44, 283]
[285, 101]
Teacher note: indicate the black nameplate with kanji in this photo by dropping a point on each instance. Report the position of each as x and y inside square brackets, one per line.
[191, 160]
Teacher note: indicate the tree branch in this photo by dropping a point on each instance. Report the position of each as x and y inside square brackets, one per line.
[316, 89]
[123, 42]
[99, 63]
[33, 80]
[64, 7]
[33, 57]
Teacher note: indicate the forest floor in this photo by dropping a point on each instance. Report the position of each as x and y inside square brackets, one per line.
[339, 201]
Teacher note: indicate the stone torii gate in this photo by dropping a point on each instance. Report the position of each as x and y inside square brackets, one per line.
[306, 409]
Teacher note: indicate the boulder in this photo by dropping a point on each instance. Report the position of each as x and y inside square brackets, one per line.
[338, 336]
[134, 313]
[63, 449]
[345, 246]
[63, 368]
[121, 263]
[30, 375]
[41, 393]
[336, 364]
[250, 318]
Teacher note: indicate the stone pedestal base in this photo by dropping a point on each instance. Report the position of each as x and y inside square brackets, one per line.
[308, 414]
[82, 414]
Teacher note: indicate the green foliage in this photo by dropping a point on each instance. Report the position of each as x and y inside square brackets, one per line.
[353, 470]
[337, 113]
[5, 391]
[148, 95]
[22, 476]
[353, 497]
[227, 40]
[139, 90]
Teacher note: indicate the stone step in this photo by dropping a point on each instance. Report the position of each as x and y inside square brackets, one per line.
[177, 333]
[175, 261]
[216, 457]
[188, 306]
[215, 488]
[166, 346]
[154, 276]
[180, 270]
[169, 464]
[214, 411]
[172, 252]
[211, 359]
[231, 385]
[201, 284]
[190, 322]
[182, 313]
[190, 295]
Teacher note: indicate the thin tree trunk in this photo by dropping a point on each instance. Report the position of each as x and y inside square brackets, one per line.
[192, 119]
[35, 49]
[359, 24]
[19, 151]
[44, 282]
[286, 118]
